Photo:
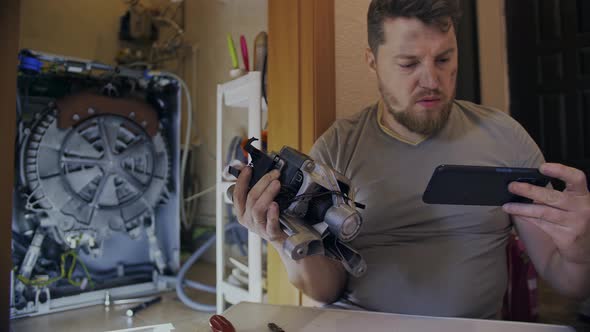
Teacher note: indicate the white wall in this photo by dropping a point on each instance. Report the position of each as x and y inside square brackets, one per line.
[356, 86]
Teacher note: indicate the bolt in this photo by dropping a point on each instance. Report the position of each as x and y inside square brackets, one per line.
[143, 123]
[309, 166]
[76, 117]
[91, 111]
[107, 299]
[65, 224]
[132, 115]
[300, 252]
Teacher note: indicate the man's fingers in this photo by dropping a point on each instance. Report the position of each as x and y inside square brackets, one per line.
[255, 206]
[263, 202]
[543, 195]
[574, 179]
[268, 227]
[241, 191]
[273, 227]
[260, 187]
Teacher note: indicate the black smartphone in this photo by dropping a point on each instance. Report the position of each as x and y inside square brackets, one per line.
[478, 185]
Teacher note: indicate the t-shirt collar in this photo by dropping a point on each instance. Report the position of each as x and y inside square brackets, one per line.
[390, 132]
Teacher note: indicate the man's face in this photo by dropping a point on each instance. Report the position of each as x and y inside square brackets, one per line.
[416, 68]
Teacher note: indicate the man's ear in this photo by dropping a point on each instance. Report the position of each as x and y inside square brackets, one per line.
[371, 59]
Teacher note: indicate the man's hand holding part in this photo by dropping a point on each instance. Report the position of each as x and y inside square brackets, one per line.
[256, 209]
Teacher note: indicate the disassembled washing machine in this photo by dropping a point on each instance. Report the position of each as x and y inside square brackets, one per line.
[96, 194]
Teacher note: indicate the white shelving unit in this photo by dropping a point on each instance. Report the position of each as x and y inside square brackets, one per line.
[241, 94]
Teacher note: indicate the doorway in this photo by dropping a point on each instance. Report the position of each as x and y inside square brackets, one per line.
[548, 45]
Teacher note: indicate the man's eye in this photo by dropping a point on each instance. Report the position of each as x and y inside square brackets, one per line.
[408, 65]
[443, 60]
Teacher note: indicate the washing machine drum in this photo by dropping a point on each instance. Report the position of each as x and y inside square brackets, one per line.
[95, 165]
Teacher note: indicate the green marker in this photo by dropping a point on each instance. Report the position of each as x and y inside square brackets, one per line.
[232, 51]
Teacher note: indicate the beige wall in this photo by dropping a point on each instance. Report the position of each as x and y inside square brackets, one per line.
[356, 86]
[84, 29]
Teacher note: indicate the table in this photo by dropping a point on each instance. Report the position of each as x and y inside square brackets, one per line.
[98, 319]
[247, 317]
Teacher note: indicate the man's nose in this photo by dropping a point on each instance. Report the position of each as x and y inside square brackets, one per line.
[429, 78]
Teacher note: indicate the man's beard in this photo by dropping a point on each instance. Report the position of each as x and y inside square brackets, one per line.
[432, 120]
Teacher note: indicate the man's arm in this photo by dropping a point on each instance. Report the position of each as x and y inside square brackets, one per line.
[319, 277]
[556, 229]
[568, 278]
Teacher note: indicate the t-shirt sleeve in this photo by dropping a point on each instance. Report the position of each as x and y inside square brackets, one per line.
[325, 149]
[528, 153]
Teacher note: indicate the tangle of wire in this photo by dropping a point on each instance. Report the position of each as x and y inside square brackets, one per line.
[63, 274]
[332, 192]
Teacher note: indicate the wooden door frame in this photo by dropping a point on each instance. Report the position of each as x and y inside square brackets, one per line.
[301, 95]
[493, 62]
[9, 36]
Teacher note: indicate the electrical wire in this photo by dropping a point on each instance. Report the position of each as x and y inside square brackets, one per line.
[187, 136]
[63, 274]
[19, 107]
[128, 269]
[19, 115]
[181, 281]
[314, 195]
[192, 187]
[202, 193]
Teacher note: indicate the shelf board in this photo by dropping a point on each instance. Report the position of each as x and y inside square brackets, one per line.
[232, 293]
[222, 187]
[237, 92]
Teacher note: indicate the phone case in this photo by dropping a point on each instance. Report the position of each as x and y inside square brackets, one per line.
[478, 185]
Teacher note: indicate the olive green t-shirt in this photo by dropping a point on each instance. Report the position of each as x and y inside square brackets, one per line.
[439, 260]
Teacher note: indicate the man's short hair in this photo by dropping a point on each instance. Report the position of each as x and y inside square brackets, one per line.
[431, 12]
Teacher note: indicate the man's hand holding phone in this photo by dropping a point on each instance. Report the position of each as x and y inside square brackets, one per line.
[563, 216]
